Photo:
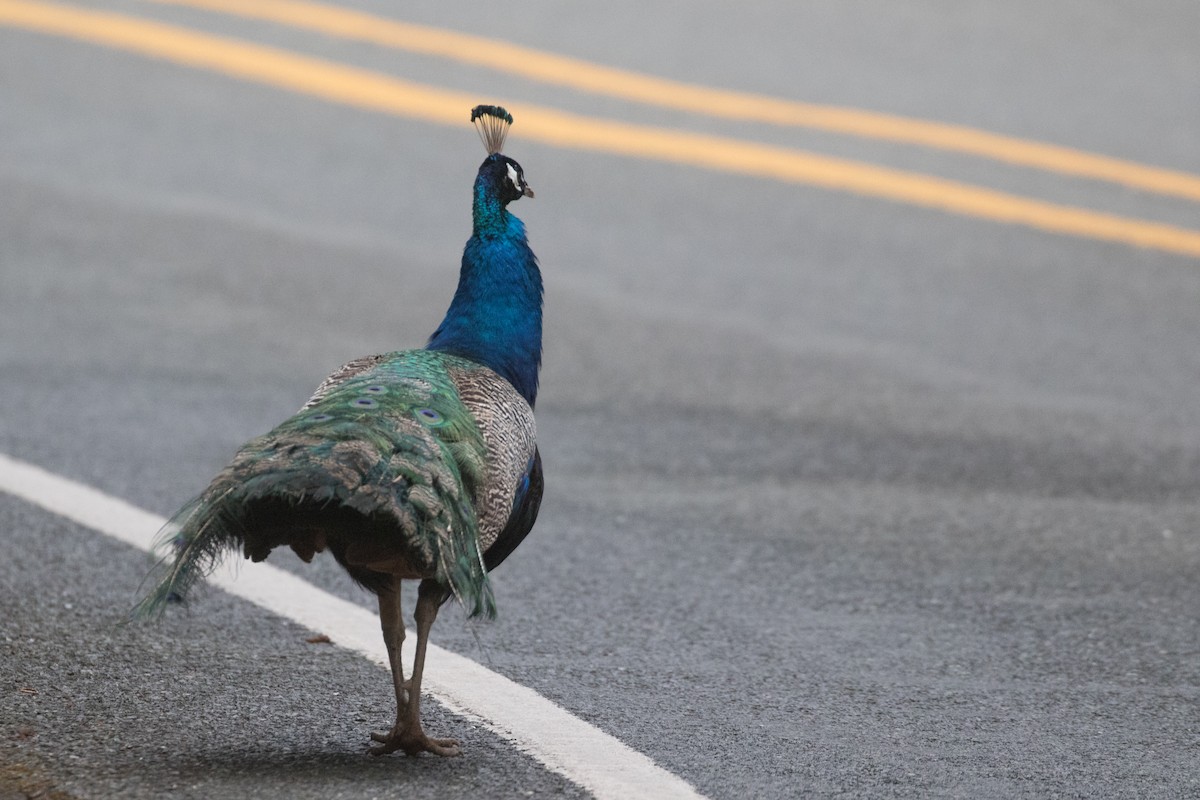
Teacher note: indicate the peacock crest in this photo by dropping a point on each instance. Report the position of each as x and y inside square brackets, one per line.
[492, 122]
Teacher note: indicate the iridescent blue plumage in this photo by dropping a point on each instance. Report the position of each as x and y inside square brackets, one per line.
[417, 464]
[495, 317]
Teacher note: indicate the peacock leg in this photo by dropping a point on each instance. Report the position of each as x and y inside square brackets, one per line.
[391, 621]
[408, 734]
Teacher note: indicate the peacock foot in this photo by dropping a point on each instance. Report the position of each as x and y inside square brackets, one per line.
[413, 743]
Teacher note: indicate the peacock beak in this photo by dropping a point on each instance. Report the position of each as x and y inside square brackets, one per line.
[525, 190]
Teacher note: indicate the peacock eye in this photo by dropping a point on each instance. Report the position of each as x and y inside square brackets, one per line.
[364, 402]
[376, 389]
[429, 416]
[320, 417]
[513, 176]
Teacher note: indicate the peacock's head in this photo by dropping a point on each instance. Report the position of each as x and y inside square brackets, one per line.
[505, 177]
[499, 172]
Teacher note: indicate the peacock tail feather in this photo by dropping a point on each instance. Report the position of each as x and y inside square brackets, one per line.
[385, 459]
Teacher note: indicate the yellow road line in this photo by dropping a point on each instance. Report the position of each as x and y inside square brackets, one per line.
[381, 93]
[578, 74]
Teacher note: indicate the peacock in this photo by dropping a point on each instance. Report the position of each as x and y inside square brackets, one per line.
[417, 464]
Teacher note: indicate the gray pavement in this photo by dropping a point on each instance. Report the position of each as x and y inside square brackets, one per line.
[844, 497]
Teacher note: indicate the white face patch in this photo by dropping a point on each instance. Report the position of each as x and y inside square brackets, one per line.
[513, 178]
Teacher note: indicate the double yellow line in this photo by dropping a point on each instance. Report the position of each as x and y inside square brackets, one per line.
[377, 92]
[585, 76]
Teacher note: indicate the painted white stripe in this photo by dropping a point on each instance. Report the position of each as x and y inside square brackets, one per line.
[563, 743]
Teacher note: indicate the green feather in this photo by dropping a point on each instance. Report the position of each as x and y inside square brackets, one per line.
[393, 443]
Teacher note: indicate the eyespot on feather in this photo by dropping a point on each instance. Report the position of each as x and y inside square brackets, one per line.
[429, 416]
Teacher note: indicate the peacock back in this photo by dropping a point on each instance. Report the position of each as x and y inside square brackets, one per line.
[402, 464]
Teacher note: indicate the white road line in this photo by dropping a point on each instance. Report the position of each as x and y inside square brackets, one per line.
[566, 745]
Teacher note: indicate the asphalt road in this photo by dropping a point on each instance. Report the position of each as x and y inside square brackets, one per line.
[845, 496]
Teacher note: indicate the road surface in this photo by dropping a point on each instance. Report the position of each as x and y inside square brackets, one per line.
[857, 485]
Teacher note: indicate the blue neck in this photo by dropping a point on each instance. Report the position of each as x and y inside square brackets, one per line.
[495, 318]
